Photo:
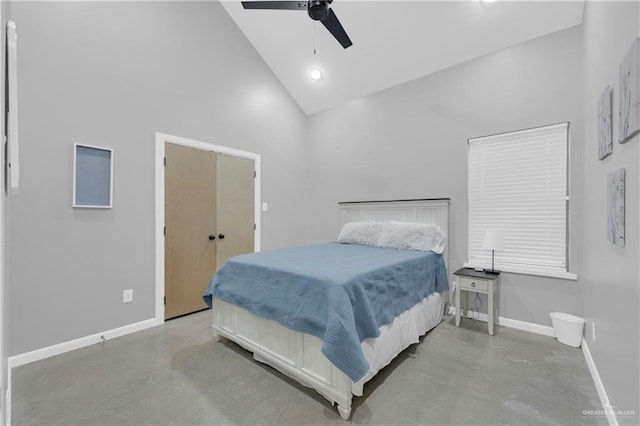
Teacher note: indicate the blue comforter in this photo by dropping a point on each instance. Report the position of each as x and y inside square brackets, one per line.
[340, 293]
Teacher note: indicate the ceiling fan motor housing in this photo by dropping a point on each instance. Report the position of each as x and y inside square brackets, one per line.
[318, 9]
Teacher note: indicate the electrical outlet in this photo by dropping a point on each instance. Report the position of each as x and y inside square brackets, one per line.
[593, 331]
[127, 296]
[265, 207]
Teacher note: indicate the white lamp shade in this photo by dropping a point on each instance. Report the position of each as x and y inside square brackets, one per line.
[493, 239]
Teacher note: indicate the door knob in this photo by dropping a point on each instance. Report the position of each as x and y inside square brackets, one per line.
[212, 237]
[221, 236]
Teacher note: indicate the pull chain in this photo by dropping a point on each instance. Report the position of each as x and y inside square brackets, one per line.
[315, 25]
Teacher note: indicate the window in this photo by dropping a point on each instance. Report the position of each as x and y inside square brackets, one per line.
[518, 186]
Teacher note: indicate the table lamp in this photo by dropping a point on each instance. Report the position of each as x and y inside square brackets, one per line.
[493, 240]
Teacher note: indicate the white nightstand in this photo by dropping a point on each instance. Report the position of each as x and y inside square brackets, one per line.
[479, 282]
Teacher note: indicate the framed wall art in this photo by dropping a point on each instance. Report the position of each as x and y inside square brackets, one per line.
[92, 176]
[629, 93]
[615, 207]
[605, 140]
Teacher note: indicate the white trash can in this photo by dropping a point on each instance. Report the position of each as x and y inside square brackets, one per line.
[568, 328]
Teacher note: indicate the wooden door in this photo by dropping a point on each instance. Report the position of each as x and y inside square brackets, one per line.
[190, 218]
[235, 207]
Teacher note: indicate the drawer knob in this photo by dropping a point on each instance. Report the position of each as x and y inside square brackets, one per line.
[473, 284]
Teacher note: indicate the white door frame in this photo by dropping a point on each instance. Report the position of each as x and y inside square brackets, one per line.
[161, 139]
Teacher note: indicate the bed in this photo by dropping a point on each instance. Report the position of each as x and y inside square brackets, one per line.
[333, 328]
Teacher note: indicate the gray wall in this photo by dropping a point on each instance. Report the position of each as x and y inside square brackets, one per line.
[111, 74]
[609, 275]
[410, 141]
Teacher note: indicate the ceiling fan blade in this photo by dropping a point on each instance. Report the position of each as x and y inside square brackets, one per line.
[334, 26]
[286, 5]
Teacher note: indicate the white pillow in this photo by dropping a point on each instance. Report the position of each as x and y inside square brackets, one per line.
[364, 233]
[413, 236]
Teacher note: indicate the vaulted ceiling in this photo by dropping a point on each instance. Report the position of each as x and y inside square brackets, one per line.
[393, 41]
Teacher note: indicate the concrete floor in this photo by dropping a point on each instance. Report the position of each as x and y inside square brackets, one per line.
[176, 374]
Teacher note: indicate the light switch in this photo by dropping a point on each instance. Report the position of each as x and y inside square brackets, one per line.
[127, 296]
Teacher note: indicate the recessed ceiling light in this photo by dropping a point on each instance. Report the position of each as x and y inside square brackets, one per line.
[315, 74]
[487, 1]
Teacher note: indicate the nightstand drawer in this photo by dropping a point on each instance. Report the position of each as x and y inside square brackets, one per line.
[473, 284]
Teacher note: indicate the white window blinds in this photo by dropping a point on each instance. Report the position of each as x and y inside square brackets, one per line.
[518, 185]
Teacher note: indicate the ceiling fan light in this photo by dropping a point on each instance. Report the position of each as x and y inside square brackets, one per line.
[315, 74]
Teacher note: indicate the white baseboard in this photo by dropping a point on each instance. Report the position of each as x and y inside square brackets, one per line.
[602, 393]
[528, 326]
[512, 323]
[37, 355]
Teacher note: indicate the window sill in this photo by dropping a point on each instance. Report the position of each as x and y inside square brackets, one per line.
[539, 273]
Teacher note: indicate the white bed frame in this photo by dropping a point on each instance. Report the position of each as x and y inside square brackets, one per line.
[298, 355]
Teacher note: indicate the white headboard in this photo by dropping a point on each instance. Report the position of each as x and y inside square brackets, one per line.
[428, 211]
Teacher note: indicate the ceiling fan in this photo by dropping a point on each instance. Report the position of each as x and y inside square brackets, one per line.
[318, 10]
